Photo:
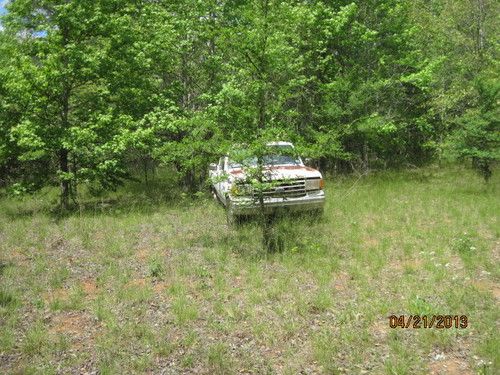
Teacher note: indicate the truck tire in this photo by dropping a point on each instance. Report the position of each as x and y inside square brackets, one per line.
[231, 218]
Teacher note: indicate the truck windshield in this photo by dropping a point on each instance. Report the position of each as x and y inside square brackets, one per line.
[278, 158]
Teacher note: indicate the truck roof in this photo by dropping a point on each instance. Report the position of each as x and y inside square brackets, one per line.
[269, 144]
[279, 143]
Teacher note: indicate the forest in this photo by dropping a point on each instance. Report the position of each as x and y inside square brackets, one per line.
[115, 259]
[96, 93]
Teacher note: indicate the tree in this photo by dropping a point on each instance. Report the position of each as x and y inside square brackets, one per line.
[13, 100]
[253, 106]
[183, 47]
[456, 37]
[66, 63]
[478, 135]
[89, 89]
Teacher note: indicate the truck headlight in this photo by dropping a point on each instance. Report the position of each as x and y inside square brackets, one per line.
[315, 184]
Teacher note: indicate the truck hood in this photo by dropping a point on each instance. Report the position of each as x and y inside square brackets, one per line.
[281, 172]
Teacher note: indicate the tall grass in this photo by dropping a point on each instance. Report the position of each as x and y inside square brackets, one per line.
[145, 279]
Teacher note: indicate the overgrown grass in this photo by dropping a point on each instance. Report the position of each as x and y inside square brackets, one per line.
[139, 283]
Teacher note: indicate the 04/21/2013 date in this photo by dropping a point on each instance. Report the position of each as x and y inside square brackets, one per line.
[428, 321]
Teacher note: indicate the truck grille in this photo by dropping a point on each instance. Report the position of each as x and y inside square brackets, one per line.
[285, 189]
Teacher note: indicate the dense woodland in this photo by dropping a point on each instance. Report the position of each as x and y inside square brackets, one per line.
[92, 92]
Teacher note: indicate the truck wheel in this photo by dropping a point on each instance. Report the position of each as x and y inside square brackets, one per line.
[231, 218]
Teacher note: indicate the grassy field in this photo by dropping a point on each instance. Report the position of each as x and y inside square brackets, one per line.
[143, 283]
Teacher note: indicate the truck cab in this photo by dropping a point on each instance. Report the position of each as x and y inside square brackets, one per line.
[291, 185]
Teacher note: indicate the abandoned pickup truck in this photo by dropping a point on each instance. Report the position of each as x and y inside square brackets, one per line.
[291, 185]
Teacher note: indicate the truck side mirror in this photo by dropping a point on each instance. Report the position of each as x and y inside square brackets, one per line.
[212, 167]
[308, 161]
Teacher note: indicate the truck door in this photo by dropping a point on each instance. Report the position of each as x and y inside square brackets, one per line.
[219, 173]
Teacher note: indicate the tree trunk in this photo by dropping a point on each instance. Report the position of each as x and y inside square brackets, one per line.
[145, 168]
[480, 35]
[365, 157]
[65, 184]
[190, 180]
[267, 222]
[64, 115]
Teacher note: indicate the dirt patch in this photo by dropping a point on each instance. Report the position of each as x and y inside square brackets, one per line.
[380, 329]
[488, 286]
[57, 243]
[160, 287]
[450, 366]
[409, 264]
[79, 327]
[60, 294]
[456, 262]
[142, 254]
[371, 242]
[137, 282]
[71, 323]
[495, 251]
[17, 256]
[341, 281]
[89, 287]
[369, 221]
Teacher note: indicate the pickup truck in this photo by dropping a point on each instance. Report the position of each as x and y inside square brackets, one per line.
[291, 185]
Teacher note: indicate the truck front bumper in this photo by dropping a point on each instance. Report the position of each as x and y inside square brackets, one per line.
[313, 200]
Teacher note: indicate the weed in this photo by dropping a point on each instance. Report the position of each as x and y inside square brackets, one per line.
[184, 310]
[6, 298]
[187, 360]
[219, 360]
[58, 277]
[35, 340]
[464, 244]
[321, 301]
[325, 351]
[156, 268]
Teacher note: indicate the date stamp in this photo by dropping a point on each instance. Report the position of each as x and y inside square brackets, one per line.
[429, 321]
